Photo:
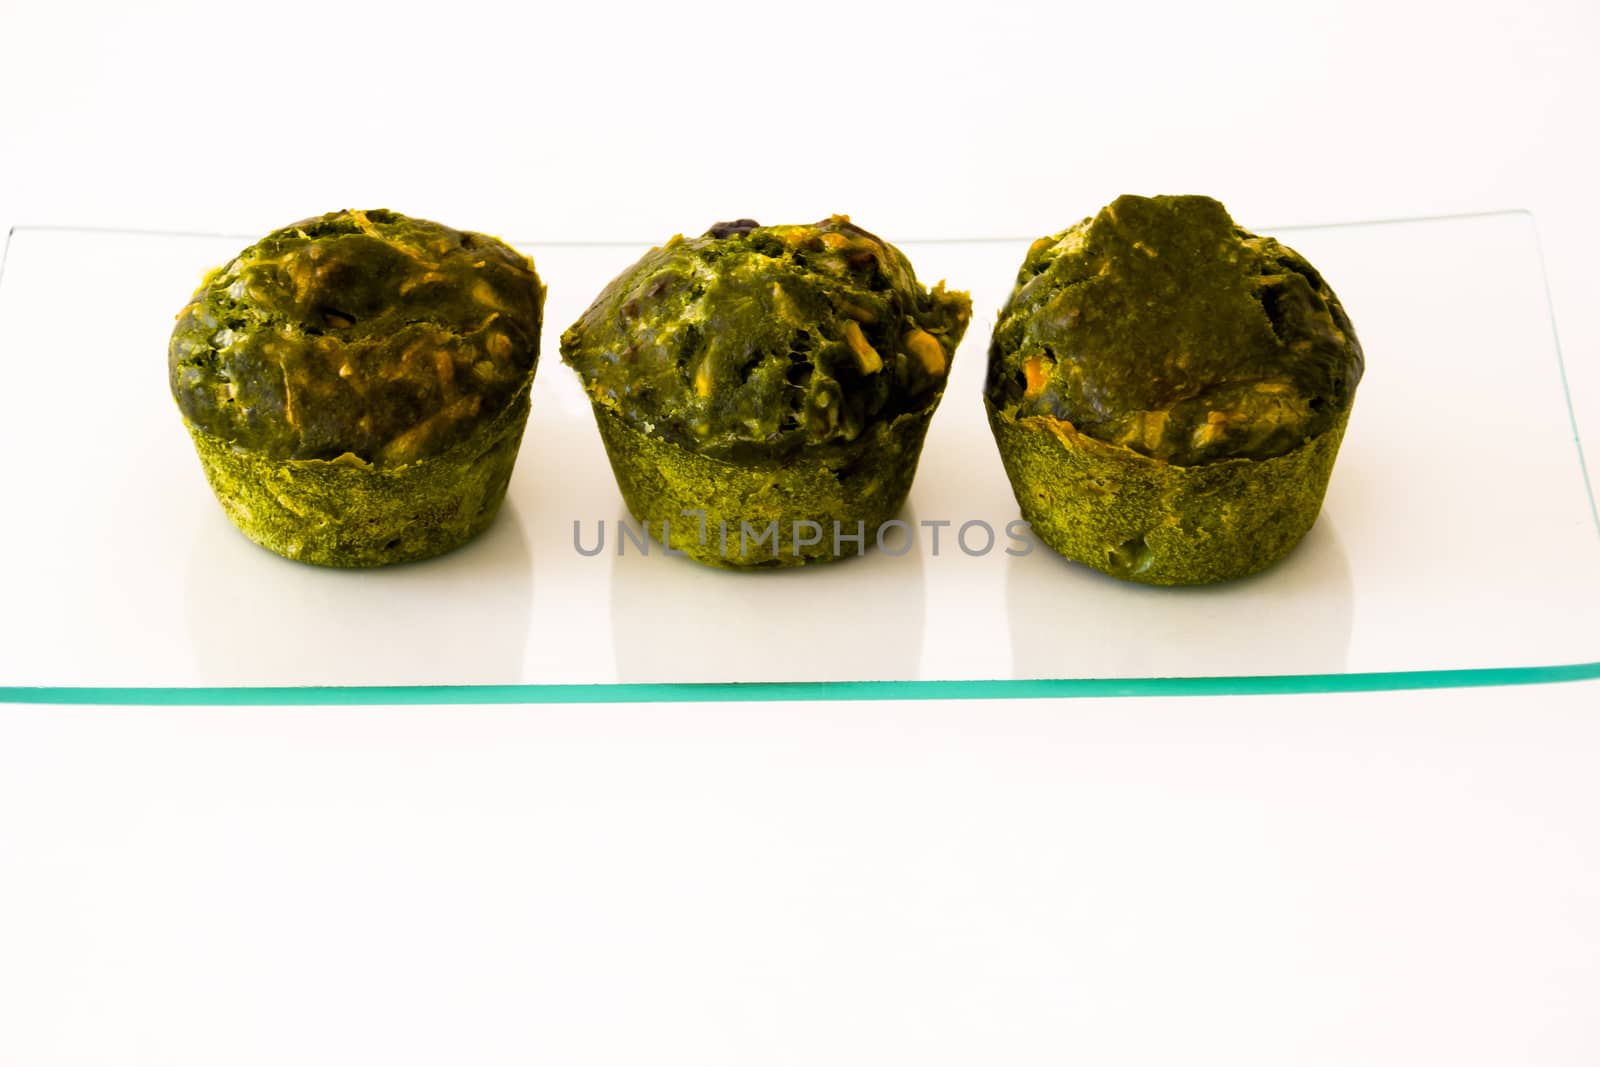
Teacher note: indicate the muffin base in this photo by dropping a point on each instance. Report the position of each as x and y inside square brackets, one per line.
[858, 485]
[349, 513]
[1144, 520]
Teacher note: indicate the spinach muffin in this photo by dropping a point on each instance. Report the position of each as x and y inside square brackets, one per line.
[357, 385]
[1168, 392]
[763, 391]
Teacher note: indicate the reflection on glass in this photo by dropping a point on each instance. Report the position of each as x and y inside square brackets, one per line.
[459, 619]
[675, 620]
[1068, 621]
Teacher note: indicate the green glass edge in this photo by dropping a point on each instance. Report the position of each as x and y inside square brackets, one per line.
[974, 689]
[718, 692]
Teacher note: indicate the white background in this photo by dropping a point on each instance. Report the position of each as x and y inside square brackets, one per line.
[1375, 879]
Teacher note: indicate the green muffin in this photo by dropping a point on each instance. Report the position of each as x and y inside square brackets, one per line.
[356, 385]
[1168, 392]
[763, 391]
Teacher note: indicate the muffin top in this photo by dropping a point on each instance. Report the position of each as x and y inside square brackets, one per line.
[758, 341]
[1161, 326]
[359, 333]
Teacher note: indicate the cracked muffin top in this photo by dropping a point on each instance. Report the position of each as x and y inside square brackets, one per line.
[1161, 326]
[755, 341]
[359, 333]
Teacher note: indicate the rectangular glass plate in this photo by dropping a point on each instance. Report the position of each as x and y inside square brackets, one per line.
[1457, 546]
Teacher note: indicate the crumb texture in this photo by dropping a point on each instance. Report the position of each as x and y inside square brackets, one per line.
[759, 342]
[360, 332]
[1160, 326]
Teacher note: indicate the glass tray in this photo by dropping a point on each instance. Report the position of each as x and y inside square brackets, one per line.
[1458, 544]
